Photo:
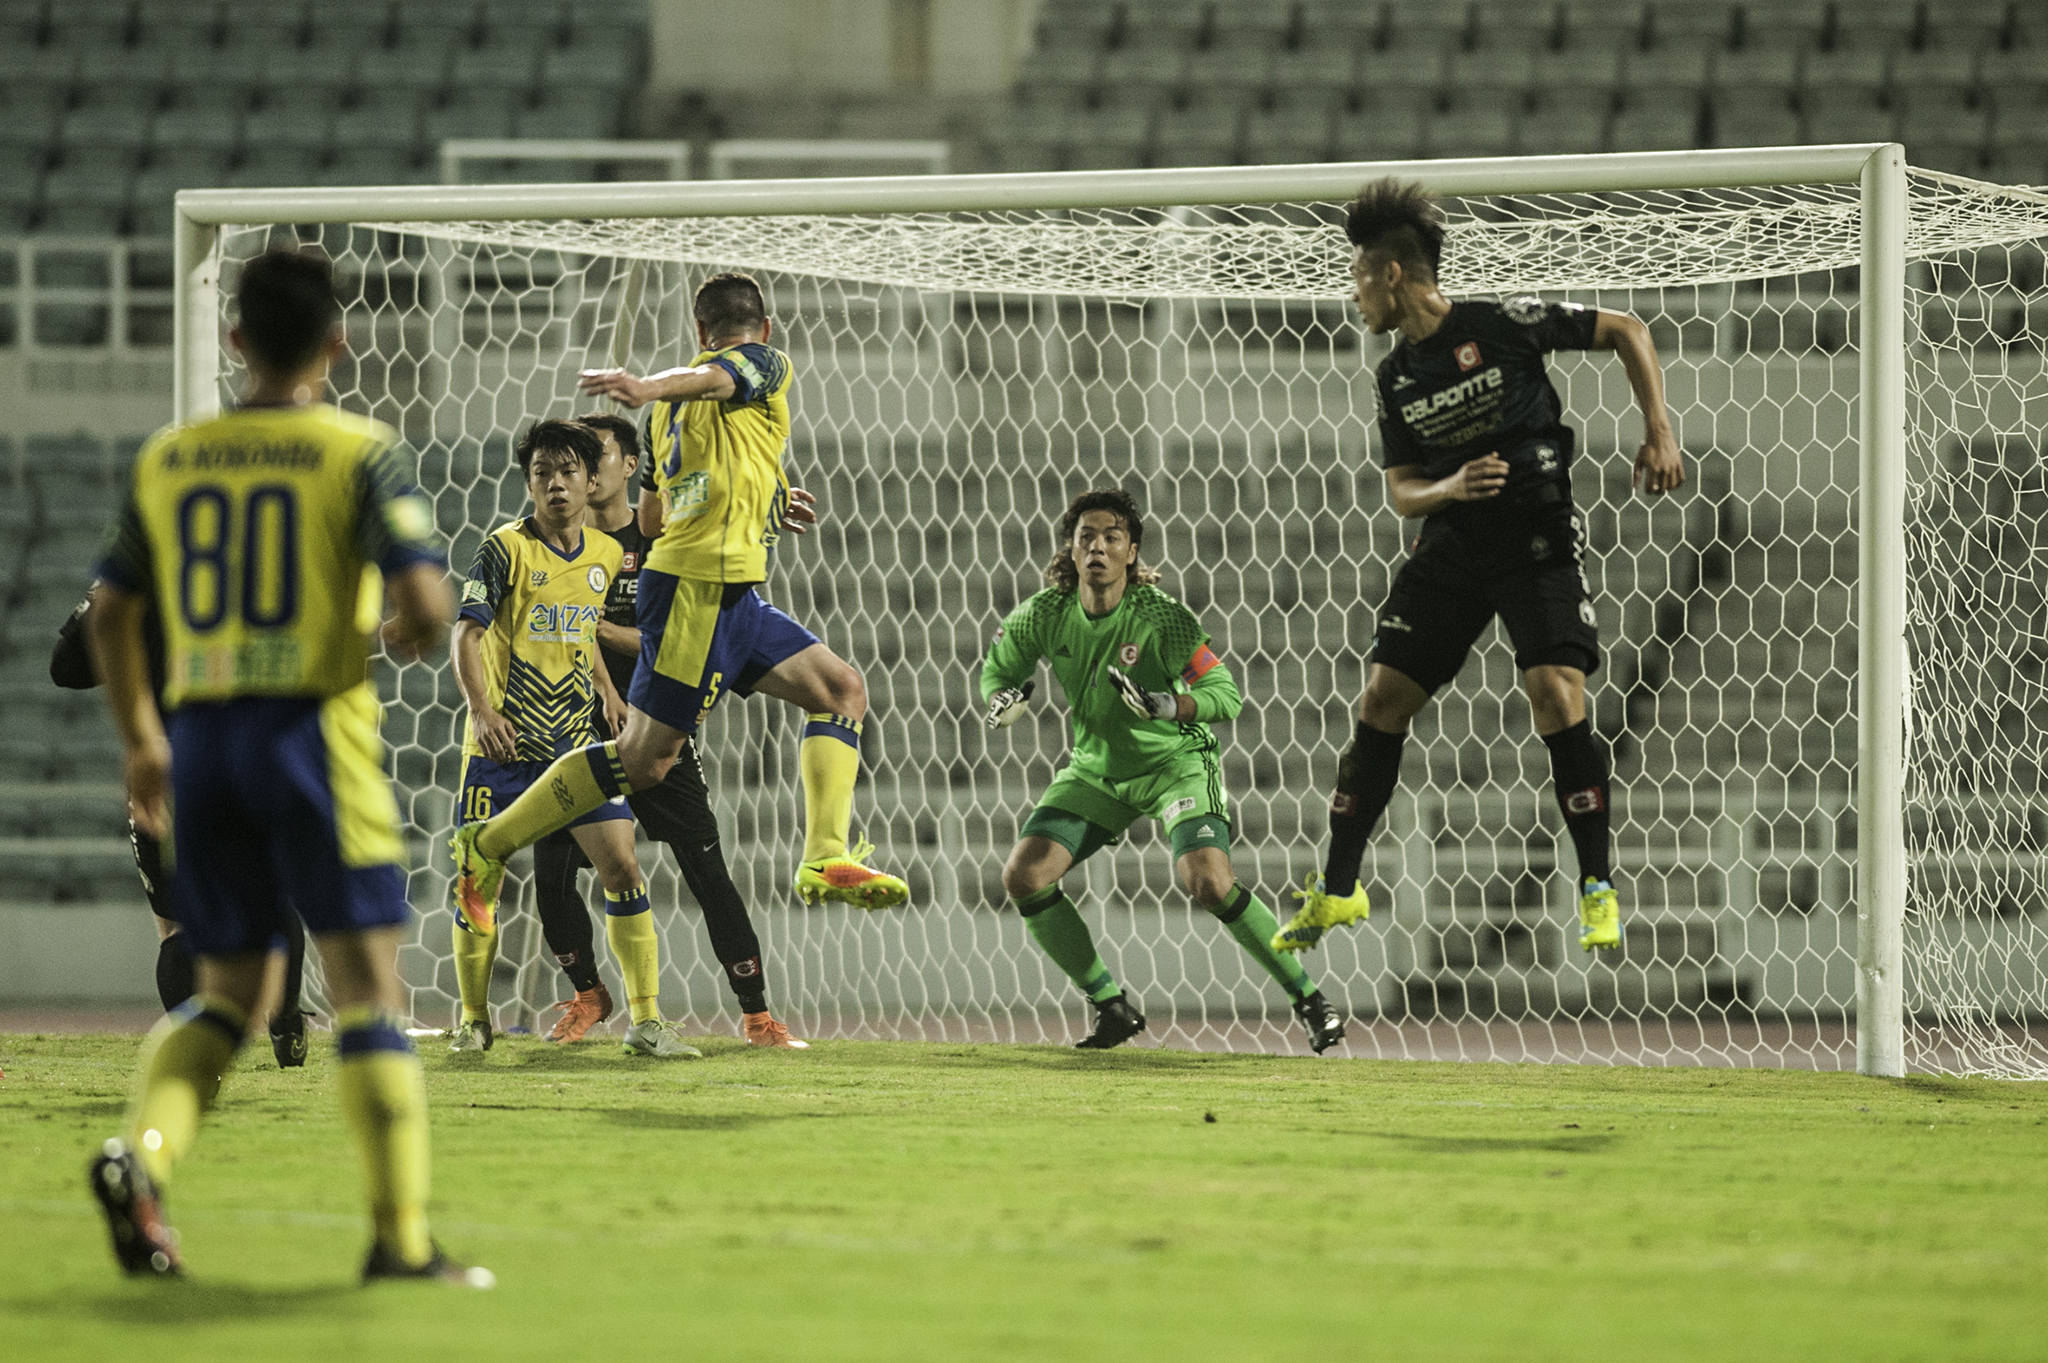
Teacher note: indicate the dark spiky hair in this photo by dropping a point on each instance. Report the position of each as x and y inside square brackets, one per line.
[622, 431]
[559, 437]
[1061, 572]
[730, 303]
[287, 308]
[1399, 221]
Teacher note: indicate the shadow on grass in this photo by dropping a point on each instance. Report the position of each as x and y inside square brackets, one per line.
[197, 1303]
[641, 1119]
[1491, 1145]
[1067, 1060]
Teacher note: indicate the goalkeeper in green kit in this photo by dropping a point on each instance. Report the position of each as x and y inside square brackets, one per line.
[1143, 685]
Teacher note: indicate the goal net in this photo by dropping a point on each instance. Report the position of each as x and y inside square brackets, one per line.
[960, 375]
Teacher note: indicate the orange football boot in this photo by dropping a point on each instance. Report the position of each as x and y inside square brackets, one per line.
[764, 1030]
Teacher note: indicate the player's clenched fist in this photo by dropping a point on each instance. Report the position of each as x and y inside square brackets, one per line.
[1144, 704]
[1479, 479]
[1009, 705]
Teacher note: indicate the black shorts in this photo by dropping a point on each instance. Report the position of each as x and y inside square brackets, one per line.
[1445, 595]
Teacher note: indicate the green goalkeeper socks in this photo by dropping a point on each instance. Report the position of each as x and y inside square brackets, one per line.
[1252, 924]
[1057, 928]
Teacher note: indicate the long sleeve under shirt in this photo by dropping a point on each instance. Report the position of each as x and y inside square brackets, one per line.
[1151, 636]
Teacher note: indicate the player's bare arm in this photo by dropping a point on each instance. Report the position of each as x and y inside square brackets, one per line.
[1659, 469]
[422, 604]
[688, 383]
[494, 733]
[115, 627]
[608, 695]
[1412, 494]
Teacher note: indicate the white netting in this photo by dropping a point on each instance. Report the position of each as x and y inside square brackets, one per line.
[960, 376]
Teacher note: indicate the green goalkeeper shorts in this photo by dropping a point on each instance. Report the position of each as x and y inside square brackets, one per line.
[1085, 813]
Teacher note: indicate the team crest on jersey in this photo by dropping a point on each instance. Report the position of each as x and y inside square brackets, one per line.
[595, 577]
[1468, 356]
[631, 561]
[539, 577]
[1129, 654]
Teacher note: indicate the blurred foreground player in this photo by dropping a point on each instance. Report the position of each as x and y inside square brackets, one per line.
[712, 496]
[676, 811]
[264, 533]
[1473, 438]
[525, 658]
[1143, 686]
[71, 667]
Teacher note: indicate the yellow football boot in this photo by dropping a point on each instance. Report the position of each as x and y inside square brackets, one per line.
[846, 880]
[477, 881]
[1599, 916]
[1320, 911]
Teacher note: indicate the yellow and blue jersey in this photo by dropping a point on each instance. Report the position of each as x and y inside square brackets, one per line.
[260, 534]
[717, 468]
[541, 608]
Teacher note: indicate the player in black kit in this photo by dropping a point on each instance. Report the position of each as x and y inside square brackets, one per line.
[1473, 439]
[71, 667]
[677, 811]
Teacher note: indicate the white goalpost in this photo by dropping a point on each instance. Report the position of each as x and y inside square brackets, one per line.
[1824, 680]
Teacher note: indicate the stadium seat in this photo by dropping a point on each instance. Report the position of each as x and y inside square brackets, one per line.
[1490, 67]
[110, 125]
[1940, 115]
[511, 64]
[1845, 114]
[1473, 126]
[1296, 128]
[1322, 64]
[419, 69]
[295, 123]
[1144, 65]
[328, 65]
[1405, 70]
[1672, 69]
[1667, 125]
[1949, 61]
[1382, 129]
[1110, 138]
[1755, 118]
[212, 129]
[1859, 59]
[273, 166]
[384, 119]
[570, 112]
[1758, 66]
[1232, 71]
[607, 67]
[1590, 65]
[469, 113]
[1203, 134]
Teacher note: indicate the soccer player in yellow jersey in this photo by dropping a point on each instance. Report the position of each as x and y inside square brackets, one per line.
[525, 658]
[265, 535]
[713, 494]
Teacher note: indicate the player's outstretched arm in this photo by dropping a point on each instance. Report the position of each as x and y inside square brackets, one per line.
[690, 383]
[115, 625]
[422, 604]
[1659, 469]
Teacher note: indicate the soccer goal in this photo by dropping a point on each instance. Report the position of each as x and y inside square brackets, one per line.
[1826, 667]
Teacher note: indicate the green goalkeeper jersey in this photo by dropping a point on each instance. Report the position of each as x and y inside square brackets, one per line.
[1151, 636]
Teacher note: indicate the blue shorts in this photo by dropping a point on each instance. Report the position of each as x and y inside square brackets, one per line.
[487, 787]
[282, 803]
[699, 640]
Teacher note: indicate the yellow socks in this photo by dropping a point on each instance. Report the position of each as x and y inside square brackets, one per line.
[829, 758]
[629, 930]
[385, 1102]
[475, 954]
[182, 1062]
[577, 783]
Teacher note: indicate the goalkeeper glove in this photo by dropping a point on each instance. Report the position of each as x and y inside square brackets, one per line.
[1145, 704]
[1008, 705]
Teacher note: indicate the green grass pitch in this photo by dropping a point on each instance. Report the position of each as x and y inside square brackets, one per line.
[945, 1202]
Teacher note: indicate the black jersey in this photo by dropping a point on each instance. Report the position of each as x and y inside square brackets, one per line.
[622, 600]
[1478, 385]
[71, 661]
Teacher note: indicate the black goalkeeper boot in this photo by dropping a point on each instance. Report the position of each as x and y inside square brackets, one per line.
[288, 1039]
[1116, 1021]
[1325, 1024]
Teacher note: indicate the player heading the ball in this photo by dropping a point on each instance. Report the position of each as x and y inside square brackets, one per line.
[1143, 686]
[714, 495]
[525, 658]
[263, 533]
[1473, 439]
